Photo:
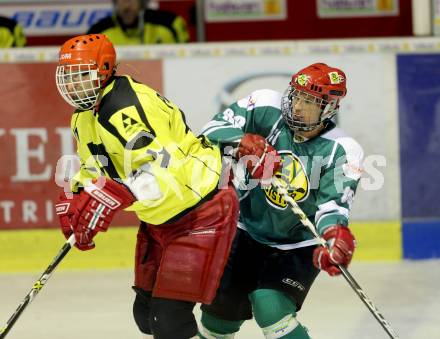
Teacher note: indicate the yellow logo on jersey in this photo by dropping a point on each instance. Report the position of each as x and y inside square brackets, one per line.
[294, 174]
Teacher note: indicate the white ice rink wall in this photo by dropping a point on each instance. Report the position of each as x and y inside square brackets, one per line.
[204, 78]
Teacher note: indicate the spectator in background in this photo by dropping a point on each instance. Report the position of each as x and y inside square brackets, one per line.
[11, 33]
[132, 23]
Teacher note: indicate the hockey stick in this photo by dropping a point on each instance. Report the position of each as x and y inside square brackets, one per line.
[37, 286]
[351, 281]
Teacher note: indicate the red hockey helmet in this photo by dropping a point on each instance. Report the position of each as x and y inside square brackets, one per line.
[85, 65]
[318, 83]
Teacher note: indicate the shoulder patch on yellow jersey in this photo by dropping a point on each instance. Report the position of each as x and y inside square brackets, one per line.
[130, 126]
[122, 115]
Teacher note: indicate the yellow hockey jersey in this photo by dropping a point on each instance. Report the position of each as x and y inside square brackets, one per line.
[11, 33]
[157, 27]
[139, 138]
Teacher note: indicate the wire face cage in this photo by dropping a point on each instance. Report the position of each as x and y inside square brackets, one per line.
[78, 84]
[298, 122]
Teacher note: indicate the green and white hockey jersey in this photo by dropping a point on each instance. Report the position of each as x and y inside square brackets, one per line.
[323, 172]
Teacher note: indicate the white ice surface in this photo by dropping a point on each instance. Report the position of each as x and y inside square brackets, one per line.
[97, 304]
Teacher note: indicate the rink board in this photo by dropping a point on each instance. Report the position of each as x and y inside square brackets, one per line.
[393, 92]
[32, 250]
[419, 119]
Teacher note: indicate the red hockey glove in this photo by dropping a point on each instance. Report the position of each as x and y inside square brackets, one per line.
[339, 252]
[91, 211]
[65, 209]
[266, 160]
[96, 207]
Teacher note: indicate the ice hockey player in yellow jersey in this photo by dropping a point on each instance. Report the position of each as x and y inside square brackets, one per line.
[137, 153]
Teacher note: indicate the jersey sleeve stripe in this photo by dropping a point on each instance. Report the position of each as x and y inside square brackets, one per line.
[274, 131]
[204, 164]
[332, 156]
[212, 124]
[221, 127]
[194, 191]
[330, 207]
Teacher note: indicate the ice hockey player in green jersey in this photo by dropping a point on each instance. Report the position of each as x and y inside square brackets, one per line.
[275, 259]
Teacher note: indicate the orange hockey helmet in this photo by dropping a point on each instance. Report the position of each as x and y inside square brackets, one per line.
[85, 65]
[319, 83]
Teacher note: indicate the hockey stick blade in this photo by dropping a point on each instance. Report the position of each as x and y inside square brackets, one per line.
[280, 187]
[38, 285]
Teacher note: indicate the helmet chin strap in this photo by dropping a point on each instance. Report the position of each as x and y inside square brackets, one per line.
[326, 109]
[329, 111]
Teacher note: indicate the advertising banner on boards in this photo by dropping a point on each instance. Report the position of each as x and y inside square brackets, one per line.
[35, 134]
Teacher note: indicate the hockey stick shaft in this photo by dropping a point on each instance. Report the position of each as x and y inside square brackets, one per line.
[348, 277]
[38, 285]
